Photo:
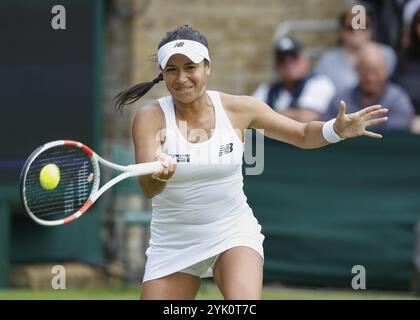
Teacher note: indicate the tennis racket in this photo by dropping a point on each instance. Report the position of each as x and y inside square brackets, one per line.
[79, 180]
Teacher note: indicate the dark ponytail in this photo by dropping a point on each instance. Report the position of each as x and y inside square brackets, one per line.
[134, 93]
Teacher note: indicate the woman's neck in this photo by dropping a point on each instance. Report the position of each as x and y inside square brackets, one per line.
[195, 110]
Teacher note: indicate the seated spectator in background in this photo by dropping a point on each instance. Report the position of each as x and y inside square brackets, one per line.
[410, 9]
[386, 17]
[407, 74]
[339, 63]
[375, 89]
[299, 94]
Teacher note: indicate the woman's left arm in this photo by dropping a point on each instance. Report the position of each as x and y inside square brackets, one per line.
[312, 134]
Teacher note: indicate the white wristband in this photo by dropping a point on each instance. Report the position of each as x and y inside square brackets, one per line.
[162, 180]
[329, 133]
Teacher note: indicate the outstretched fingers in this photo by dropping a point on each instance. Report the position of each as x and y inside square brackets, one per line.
[375, 113]
[372, 134]
[375, 121]
[368, 110]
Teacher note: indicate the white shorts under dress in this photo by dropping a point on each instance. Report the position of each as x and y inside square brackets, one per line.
[203, 210]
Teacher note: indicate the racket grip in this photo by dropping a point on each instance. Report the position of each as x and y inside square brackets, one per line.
[144, 168]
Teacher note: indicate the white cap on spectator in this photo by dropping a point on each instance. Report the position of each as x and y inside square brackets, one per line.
[286, 45]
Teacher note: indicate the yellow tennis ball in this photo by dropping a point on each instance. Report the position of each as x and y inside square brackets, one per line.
[49, 177]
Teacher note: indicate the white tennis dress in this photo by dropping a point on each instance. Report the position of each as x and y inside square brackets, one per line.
[203, 210]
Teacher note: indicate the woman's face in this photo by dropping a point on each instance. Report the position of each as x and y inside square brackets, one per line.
[354, 38]
[185, 80]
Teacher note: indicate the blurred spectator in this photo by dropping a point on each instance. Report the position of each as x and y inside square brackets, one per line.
[407, 73]
[374, 89]
[410, 10]
[339, 63]
[299, 94]
[387, 16]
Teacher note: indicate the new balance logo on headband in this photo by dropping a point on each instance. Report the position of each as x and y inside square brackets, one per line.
[178, 44]
[194, 50]
[225, 149]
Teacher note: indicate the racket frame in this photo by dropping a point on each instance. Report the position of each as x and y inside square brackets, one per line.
[127, 171]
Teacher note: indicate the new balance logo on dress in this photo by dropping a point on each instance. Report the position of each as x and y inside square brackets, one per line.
[225, 149]
[178, 44]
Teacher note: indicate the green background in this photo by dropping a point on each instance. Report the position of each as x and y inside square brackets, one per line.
[324, 211]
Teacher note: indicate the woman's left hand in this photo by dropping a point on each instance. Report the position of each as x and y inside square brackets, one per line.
[355, 124]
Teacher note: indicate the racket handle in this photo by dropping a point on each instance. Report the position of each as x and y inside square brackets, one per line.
[144, 168]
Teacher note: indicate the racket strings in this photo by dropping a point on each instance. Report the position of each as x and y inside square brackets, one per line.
[73, 189]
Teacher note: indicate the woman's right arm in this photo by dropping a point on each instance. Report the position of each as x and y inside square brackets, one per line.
[148, 138]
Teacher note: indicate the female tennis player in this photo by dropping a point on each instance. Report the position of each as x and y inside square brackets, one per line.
[202, 225]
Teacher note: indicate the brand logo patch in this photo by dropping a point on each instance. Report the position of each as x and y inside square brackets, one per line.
[181, 157]
[178, 44]
[225, 149]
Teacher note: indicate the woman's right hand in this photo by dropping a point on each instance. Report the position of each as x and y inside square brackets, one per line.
[168, 167]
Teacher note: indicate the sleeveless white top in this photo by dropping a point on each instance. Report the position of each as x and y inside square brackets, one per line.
[203, 210]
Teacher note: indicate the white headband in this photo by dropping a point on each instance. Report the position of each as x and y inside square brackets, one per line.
[194, 50]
